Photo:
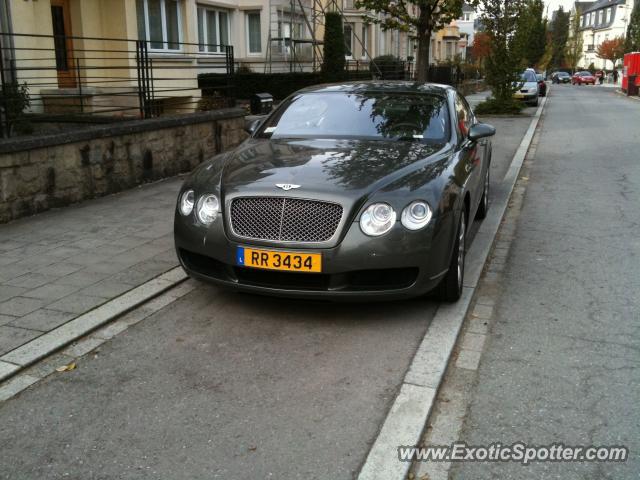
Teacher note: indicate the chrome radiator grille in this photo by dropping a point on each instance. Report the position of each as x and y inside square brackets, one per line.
[284, 219]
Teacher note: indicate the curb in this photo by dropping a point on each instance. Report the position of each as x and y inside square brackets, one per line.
[621, 93]
[409, 412]
[16, 360]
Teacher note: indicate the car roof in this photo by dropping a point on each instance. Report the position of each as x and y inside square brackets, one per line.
[398, 86]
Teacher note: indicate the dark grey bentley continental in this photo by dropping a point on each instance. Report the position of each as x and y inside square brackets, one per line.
[357, 190]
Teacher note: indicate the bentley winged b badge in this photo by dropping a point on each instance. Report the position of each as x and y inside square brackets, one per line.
[287, 186]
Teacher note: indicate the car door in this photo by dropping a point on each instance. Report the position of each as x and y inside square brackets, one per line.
[472, 153]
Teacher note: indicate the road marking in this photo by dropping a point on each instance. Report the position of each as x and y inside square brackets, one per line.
[408, 415]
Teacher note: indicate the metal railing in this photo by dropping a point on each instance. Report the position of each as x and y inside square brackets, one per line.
[47, 78]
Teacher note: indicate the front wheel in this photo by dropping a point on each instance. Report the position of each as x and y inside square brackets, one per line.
[450, 288]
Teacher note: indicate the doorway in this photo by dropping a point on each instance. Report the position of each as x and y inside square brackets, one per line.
[63, 43]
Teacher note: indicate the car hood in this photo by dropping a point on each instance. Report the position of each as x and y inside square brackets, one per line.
[526, 85]
[322, 168]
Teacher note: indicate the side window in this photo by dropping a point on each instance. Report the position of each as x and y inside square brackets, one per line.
[464, 117]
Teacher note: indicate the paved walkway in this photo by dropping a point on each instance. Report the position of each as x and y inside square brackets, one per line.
[60, 264]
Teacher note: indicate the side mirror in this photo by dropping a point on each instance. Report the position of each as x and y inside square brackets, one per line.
[481, 130]
[252, 125]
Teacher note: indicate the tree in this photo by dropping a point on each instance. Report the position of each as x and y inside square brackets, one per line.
[502, 66]
[481, 48]
[559, 27]
[530, 37]
[416, 17]
[573, 51]
[611, 50]
[334, 48]
[632, 41]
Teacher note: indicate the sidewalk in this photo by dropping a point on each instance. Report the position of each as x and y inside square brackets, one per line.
[60, 264]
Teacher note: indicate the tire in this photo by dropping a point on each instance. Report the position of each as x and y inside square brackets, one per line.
[450, 288]
[483, 208]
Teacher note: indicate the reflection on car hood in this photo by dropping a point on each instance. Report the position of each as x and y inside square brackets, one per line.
[323, 165]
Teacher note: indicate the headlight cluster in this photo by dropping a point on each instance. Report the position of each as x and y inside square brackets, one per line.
[378, 218]
[206, 208]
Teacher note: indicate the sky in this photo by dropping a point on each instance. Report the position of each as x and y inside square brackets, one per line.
[554, 4]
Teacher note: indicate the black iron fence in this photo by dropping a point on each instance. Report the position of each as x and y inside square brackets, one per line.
[47, 78]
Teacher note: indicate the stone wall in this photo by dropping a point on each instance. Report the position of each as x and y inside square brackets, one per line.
[55, 170]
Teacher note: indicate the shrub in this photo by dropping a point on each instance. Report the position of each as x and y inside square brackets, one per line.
[334, 48]
[244, 85]
[280, 85]
[388, 67]
[15, 99]
[492, 106]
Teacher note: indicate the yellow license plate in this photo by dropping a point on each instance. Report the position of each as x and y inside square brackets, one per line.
[274, 260]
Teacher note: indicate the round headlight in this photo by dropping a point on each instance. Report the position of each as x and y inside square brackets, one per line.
[208, 208]
[377, 219]
[186, 202]
[416, 215]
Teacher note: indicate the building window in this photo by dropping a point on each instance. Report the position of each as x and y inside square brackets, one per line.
[467, 17]
[365, 40]
[254, 34]
[348, 39]
[600, 16]
[213, 29]
[609, 14]
[159, 23]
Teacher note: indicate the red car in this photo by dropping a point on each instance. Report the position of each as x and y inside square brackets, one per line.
[583, 77]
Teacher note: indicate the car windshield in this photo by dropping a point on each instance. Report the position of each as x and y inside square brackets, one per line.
[539, 77]
[585, 74]
[563, 74]
[371, 115]
[528, 77]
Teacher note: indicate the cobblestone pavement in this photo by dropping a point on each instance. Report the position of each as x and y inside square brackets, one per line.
[60, 264]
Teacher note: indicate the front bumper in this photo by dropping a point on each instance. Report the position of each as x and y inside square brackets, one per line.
[525, 97]
[400, 264]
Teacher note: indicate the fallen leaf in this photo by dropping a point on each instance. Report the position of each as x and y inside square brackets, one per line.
[66, 368]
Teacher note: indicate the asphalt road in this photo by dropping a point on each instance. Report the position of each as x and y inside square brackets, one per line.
[225, 385]
[562, 363]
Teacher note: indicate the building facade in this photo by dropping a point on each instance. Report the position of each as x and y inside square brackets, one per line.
[600, 21]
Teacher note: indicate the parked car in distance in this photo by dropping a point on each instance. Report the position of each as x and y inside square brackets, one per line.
[560, 77]
[584, 77]
[542, 85]
[346, 191]
[527, 88]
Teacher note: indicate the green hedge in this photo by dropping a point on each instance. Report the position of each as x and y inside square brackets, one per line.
[388, 67]
[280, 85]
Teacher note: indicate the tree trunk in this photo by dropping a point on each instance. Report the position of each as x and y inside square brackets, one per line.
[422, 60]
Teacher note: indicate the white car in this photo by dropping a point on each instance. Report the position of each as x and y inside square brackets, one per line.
[527, 88]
